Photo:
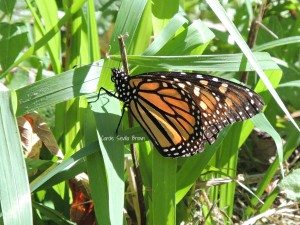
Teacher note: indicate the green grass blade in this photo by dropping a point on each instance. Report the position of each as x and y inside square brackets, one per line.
[163, 206]
[107, 115]
[143, 32]
[7, 6]
[294, 83]
[170, 40]
[14, 186]
[129, 15]
[92, 32]
[99, 187]
[277, 43]
[264, 125]
[191, 40]
[64, 165]
[65, 86]
[166, 34]
[11, 43]
[268, 203]
[162, 12]
[225, 63]
[178, 38]
[47, 37]
[186, 176]
[109, 202]
[222, 15]
[227, 158]
[66, 173]
[47, 19]
[293, 140]
[52, 214]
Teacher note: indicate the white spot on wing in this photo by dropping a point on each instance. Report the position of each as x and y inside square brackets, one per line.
[224, 85]
[181, 85]
[197, 91]
[203, 105]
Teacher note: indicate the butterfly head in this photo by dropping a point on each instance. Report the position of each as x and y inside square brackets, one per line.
[123, 89]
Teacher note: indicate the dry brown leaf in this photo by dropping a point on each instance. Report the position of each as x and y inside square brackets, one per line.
[34, 131]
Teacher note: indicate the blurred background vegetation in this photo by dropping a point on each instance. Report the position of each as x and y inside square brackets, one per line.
[61, 160]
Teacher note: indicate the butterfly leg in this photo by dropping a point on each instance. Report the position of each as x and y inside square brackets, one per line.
[113, 95]
[106, 91]
[123, 111]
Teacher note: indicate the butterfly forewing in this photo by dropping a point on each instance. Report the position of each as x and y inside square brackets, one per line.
[182, 111]
[168, 116]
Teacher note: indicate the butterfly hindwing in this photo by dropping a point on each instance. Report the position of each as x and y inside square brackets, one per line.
[222, 102]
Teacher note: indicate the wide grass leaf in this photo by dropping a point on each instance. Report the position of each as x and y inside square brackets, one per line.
[111, 162]
[14, 185]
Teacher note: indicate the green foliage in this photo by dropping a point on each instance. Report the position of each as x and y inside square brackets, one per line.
[290, 185]
[163, 35]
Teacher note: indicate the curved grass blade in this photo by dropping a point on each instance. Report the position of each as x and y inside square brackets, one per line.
[222, 15]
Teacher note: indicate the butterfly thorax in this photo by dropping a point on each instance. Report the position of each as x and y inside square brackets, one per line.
[123, 89]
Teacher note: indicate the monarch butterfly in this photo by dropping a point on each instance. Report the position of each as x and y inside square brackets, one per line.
[181, 111]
